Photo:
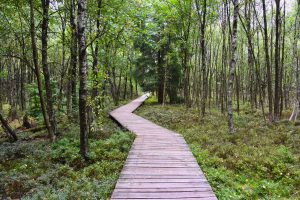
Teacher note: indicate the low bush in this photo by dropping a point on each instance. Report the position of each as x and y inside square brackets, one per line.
[40, 170]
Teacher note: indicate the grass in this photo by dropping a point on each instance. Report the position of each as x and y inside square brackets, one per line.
[33, 168]
[259, 161]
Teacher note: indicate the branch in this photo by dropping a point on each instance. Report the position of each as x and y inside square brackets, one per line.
[20, 58]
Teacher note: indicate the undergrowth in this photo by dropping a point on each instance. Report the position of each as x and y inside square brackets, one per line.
[33, 168]
[259, 161]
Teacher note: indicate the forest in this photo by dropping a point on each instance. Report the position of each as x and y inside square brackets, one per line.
[225, 74]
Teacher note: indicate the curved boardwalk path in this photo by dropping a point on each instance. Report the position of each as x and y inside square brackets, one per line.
[160, 164]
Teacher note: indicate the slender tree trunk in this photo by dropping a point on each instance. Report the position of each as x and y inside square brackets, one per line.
[161, 75]
[125, 87]
[23, 74]
[232, 65]
[224, 60]
[296, 70]
[136, 88]
[83, 78]
[63, 62]
[96, 53]
[277, 63]
[268, 63]
[130, 82]
[36, 67]
[250, 54]
[74, 49]
[203, 61]
[282, 71]
[50, 109]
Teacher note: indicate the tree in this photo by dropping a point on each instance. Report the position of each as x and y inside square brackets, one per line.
[232, 65]
[268, 63]
[50, 109]
[37, 69]
[73, 60]
[277, 63]
[296, 70]
[82, 59]
[7, 128]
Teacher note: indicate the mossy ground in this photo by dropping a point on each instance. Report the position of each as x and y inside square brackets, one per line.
[259, 161]
[33, 168]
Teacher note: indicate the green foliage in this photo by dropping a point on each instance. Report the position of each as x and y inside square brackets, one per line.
[259, 161]
[39, 170]
[34, 100]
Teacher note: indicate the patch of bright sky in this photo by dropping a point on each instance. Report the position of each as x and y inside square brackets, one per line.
[290, 5]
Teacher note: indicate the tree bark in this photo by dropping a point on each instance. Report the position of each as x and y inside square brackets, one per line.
[232, 65]
[268, 63]
[203, 57]
[96, 53]
[130, 81]
[36, 67]
[50, 109]
[296, 71]
[83, 78]
[277, 63]
[161, 73]
[73, 62]
[7, 128]
[63, 62]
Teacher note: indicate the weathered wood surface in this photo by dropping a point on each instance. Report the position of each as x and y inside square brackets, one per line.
[160, 164]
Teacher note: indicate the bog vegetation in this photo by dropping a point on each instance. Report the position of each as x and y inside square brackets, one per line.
[230, 66]
[260, 162]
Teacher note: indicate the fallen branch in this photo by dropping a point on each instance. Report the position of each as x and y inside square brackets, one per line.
[35, 129]
[7, 128]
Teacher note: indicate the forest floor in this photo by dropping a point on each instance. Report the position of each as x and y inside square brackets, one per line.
[33, 168]
[259, 161]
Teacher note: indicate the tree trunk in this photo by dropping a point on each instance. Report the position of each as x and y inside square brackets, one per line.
[232, 65]
[282, 71]
[36, 67]
[63, 62]
[130, 81]
[23, 75]
[83, 78]
[7, 128]
[161, 73]
[296, 71]
[125, 87]
[203, 59]
[96, 53]
[50, 109]
[73, 49]
[268, 63]
[277, 63]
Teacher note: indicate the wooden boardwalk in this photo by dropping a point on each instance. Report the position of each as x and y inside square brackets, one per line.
[160, 164]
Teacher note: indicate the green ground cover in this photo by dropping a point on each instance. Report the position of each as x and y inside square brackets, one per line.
[259, 161]
[33, 168]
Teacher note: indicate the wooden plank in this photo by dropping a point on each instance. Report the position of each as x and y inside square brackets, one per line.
[155, 176]
[162, 165]
[163, 185]
[159, 180]
[195, 198]
[162, 195]
[150, 190]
